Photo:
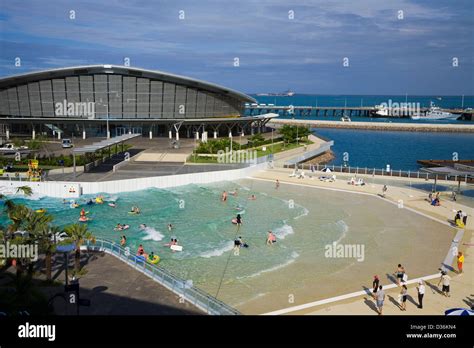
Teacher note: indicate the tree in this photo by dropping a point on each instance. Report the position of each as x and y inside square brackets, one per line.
[27, 191]
[290, 133]
[44, 237]
[78, 233]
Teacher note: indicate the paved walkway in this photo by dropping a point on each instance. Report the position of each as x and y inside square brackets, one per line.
[462, 293]
[115, 288]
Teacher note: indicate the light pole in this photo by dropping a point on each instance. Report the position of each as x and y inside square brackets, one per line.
[107, 107]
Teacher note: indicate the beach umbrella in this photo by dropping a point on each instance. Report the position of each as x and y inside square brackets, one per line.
[459, 311]
[326, 170]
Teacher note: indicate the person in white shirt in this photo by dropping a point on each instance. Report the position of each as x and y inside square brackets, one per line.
[446, 279]
[421, 292]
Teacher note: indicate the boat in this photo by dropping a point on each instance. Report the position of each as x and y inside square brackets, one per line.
[435, 113]
[345, 118]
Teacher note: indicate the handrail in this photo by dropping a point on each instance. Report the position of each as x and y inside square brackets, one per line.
[179, 286]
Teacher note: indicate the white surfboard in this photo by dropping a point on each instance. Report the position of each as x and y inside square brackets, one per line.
[176, 247]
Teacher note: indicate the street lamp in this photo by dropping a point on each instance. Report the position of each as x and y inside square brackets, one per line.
[107, 106]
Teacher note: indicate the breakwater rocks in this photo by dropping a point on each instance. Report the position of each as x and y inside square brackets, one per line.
[379, 126]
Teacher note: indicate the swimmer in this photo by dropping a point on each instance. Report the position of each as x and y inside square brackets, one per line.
[142, 226]
[277, 184]
[170, 227]
[123, 241]
[238, 221]
[271, 238]
[233, 193]
[135, 210]
[83, 212]
[252, 197]
[90, 202]
[140, 250]
[224, 196]
[151, 256]
[112, 204]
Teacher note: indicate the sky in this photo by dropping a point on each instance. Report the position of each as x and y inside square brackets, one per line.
[388, 46]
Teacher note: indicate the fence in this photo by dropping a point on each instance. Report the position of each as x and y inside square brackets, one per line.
[379, 172]
[180, 287]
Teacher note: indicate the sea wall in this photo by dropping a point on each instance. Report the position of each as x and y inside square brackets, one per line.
[379, 126]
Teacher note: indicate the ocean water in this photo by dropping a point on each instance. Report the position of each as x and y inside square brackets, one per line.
[366, 100]
[401, 150]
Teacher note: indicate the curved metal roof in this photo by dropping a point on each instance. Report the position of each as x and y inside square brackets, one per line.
[121, 70]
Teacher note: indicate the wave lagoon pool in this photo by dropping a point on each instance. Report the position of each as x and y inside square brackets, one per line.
[263, 278]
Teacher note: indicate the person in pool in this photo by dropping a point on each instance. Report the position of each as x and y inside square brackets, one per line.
[142, 226]
[140, 251]
[151, 256]
[135, 210]
[224, 196]
[90, 202]
[170, 227]
[239, 220]
[252, 198]
[271, 238]
[83, 212]
[123, 241]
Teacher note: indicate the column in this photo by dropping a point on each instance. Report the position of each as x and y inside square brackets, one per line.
[170, 134]
[151, 134]
[215, 135]
[33, 134]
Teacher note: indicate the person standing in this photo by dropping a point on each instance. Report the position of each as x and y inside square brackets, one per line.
[464, 218]
[277, 184]
[421, 293]
[384, 190]
[399, 273]
[460, 261]
[446, 280]
[380, 298]
[375, 283]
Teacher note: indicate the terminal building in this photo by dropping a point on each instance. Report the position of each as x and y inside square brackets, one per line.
[108, 100]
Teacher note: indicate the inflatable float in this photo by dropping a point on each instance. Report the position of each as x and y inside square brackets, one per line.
[176, 247]
[41, 211]
[459, 223]
[154, 261]
[84, 219]
[99, 200]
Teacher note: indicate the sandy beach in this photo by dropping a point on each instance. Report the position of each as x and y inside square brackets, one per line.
[421, 251]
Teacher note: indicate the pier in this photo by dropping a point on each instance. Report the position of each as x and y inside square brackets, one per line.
[411, 127]
[339, 111]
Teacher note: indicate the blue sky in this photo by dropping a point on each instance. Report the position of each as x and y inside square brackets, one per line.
[387, 55]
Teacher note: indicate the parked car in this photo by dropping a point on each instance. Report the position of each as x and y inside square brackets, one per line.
[67, 143]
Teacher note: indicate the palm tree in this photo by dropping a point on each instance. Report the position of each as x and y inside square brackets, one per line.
[47, 245]
[78, 234]
[27, 191]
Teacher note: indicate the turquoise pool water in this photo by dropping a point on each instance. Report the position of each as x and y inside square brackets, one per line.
[202, 224]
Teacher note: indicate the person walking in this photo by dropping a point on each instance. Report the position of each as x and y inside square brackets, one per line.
[384, 190]
[380, 298]
[460, 261]
[400, 271]
[403, 298]
[277, 184]
[421, 293]
[446, 280]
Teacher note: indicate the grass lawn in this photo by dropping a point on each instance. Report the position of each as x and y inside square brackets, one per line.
[269, 149]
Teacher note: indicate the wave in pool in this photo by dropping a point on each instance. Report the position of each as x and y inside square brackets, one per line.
[227, 246]
[152, 234]
[294, 255]
[341, 224]
[304, 213]
[283, 231]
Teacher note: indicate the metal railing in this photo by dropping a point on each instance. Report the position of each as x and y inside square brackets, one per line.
[180, 287]
[376, 172]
